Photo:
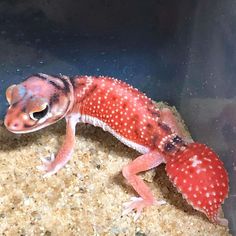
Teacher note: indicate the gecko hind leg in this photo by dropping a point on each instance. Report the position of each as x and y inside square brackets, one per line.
[140, 164]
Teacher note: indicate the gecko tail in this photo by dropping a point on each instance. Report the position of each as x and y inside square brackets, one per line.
[198, 173]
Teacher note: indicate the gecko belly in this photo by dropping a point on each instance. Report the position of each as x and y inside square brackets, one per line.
[97, 122]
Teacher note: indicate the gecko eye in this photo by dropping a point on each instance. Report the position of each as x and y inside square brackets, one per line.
[39, 114]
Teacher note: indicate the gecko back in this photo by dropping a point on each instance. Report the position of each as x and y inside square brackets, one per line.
[124, 111]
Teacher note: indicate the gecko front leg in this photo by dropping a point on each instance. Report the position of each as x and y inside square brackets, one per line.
[53, 165]
[140, 164]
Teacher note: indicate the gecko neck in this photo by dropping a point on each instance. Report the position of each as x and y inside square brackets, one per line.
[71, 97]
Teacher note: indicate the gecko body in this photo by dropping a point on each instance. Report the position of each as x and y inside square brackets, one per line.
[194, 169]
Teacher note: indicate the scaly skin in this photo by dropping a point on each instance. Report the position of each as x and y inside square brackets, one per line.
[130, 116]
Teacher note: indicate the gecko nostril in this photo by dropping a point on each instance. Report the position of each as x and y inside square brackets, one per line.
[15, 125]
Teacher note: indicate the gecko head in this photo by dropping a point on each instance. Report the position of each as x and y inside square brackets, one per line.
[37, 102]
[198, 173]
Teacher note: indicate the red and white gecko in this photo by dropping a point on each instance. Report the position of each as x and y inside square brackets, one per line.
[194, 169]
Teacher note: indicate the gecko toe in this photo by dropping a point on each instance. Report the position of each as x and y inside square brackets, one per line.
[48, 174]
[48, 160]
[45, 160]
[48, 166]
[41, 168]
[136, 204]
[160, 202]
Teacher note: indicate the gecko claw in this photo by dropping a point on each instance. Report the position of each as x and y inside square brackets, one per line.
[160, 202]
[133, 204]
[47, 166]
[47, 160]
[48, 174]
[40, 168]
[137, 204]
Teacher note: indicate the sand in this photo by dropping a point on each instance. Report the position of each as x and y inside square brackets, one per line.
[86, 196]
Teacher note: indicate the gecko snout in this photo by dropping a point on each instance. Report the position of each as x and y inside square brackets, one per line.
[13, 125]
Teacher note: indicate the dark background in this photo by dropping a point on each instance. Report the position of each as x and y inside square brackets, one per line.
[182, 52]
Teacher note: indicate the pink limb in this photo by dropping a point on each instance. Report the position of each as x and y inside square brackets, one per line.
[53, 165]
[140, 164]
[220, 220]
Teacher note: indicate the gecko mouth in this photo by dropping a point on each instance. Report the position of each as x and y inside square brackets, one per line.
[26, 129]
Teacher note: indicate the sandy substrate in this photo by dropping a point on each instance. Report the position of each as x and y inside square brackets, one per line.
[85, 197]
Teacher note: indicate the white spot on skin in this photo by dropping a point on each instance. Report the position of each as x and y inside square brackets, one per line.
[207, 159]
[25, 117]
[195, 161]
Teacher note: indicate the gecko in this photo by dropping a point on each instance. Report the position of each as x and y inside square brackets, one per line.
[128, 114]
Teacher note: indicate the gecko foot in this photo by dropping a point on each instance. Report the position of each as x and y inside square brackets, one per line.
[48, 166]
[137, 204]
